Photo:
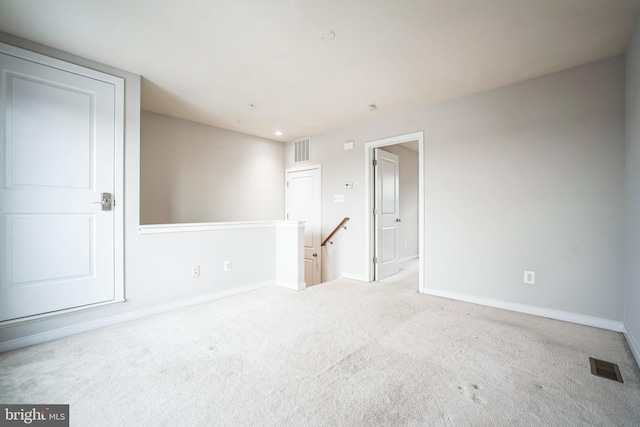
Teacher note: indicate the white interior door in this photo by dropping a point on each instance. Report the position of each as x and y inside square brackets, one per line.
[57, 154]
[387, 214]
[303, 204]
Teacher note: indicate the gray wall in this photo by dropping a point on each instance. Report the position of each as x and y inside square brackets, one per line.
[190, 172]
[157, 267]
[524, 177]
[408, 199]
[632, 264]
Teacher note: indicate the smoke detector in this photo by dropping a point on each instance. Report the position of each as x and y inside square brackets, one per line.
[327, 35]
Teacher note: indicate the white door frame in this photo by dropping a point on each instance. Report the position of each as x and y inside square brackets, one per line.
[369, 201]
[118, 189]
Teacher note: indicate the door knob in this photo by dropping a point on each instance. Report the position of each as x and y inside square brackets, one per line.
[315, 255]
[398, 220]
[106, 201]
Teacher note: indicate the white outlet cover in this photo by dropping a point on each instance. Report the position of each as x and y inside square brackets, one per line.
[338, 198]
[530, 277]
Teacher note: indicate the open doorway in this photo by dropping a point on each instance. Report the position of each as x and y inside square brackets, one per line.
[415, 142]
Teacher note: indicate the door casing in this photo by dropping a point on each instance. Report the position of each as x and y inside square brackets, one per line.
[369, 201]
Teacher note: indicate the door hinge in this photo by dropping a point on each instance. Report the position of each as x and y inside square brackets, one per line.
[375, 259]
[287, 184]
[375, 211]
[375, 162]
[287, 216]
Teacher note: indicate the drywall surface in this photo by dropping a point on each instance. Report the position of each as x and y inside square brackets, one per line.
[523, 177]
[157, 267]
[190, 172]
[632, 253]
[408, 160]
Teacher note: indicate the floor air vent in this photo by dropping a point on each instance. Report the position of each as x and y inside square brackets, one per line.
[301, 150]
[609, 370]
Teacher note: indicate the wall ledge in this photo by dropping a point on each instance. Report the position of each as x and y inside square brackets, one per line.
[580, 319]
[214, 226]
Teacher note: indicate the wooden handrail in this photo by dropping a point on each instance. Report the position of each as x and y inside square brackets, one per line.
[335, 230]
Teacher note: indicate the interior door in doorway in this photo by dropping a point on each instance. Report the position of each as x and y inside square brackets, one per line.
[57, 151]
[387, 213]
[303, 203]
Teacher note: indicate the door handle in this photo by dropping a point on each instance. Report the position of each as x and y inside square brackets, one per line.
[314, 255]
[398, 220]
[106, 202]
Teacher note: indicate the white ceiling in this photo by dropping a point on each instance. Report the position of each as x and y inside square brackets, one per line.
[208, 60]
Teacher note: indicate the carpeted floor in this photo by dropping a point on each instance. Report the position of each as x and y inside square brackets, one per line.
[340, 353]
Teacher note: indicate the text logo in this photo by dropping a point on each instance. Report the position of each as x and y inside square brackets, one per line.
[34, 415]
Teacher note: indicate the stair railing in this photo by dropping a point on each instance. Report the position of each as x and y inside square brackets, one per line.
[335, 230]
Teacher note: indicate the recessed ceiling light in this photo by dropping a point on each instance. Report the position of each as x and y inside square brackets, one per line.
[278, 133]
[327, 35]
[370, 107]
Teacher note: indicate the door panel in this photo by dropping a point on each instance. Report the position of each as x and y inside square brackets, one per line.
[48, 248]
[388, 243]
[58, 154]
[303, 204]
[387, 218]
[309, 269]
[63, 119]
[388, 185]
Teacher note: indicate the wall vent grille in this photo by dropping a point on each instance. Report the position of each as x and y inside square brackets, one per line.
[302, 150]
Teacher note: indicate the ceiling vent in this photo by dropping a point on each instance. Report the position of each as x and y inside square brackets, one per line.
[301, 150]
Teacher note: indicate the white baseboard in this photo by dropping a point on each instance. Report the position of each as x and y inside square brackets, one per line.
[566, 316]
[359, 277]
[408, 258]
[289, 285]
[126, 317]
[635, 348]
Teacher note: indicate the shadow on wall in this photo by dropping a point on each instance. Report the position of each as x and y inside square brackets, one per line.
[191, 173]
[331, 261]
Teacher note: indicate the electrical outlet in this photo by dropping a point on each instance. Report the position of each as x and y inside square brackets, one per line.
[530, 277]
[227, 266]
[195, 271]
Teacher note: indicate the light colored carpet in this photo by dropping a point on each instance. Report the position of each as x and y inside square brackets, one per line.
[340, 353]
